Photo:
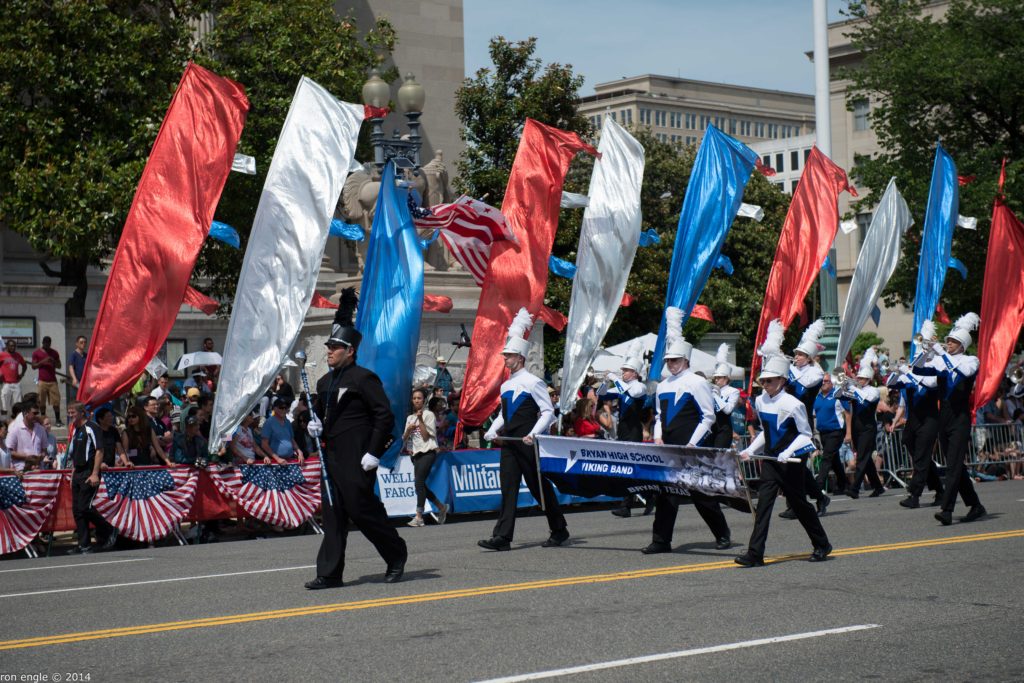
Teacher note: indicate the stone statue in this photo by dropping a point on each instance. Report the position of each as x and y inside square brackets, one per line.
[438, 191]
[358, 202]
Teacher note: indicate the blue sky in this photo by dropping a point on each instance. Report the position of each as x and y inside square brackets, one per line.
[758, 43]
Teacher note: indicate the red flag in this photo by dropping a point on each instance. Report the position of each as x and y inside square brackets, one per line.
[552, 318]
[627, 300]
[168, 222]
[1002, 302]
[703, 312]
[437, 303]
[370, 112]
[320, 301]
[941, 315]
[198, 300]
[518, 273]
[807, 235]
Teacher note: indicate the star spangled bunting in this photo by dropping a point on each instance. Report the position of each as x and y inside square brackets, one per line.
[281, 495]
[145, 504]
[25, 506]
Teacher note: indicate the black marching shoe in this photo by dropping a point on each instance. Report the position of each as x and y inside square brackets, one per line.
[945, 517]
[820, 554]
[912, 502]
[81, 550]
[622, 512]
[556, 539]
[853, 493]
[787, 514]
[495, 543]
[748, 560]
[877, 492]
[723, 543]
[394, 572]
[322, 582]
[936, 502]
[822, 505]
[656, 548]
[976, 512]
[111, 540]
[649, 506]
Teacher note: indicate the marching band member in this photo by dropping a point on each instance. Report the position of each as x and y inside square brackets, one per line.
[526, 411]
[684, 416]
[955, 372]
[919, 402]
[864, 400]
[833, 418]
[632, 394]
[785, 434]
[726, 399]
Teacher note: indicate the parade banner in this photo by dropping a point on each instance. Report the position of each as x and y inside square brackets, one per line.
[281, 495]
[879, 255]
[25, 505]
[807, 234]
[391, 302]
[608, 241]
[517, 275]
[396, 487]
[144, 504]
[713, 197]
[593, 467]
[286, 246]
[167, 224]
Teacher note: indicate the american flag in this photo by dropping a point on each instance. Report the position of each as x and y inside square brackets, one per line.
[145, 504]
[282, 495]
[25, 505]
[468, 227]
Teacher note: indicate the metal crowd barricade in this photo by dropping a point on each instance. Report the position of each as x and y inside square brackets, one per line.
[896, 460]
[994, 444]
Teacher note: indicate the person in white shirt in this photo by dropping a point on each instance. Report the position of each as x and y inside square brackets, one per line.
[632, 398]
[420, 439]
[785, 436]
[526, 411]
[864, 400]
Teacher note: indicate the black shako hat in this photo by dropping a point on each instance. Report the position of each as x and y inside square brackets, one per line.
[343, 331]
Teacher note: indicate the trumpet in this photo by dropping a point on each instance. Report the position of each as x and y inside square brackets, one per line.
[924, 346]
[1016, 375]
[884, 367]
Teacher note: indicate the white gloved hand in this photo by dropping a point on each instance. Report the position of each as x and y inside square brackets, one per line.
[612, 377]
[938, 348]
[745, 455]
[315, 428]
[782, 457]
[369, 462]
[490, 436]
[905, 369]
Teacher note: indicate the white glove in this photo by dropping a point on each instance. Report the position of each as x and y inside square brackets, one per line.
[782, 457]
[490, 436]
[905, 369]
[369, 462]
[612, 377]
[745, 455]
[315, 428]
[938, 348]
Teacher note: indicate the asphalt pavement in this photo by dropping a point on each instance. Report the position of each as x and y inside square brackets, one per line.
[902, 599]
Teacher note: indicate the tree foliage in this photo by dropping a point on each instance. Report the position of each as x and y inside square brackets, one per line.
[956, 79]
[494, 104]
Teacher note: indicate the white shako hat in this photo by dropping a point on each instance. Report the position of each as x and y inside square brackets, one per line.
[774, 366]
[675, 345]
[867, 361]
[722, 368]
[963, 327]
[634, 357]
[809, 341]
[517, 332]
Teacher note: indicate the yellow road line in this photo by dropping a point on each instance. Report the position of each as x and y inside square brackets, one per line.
[456, 594]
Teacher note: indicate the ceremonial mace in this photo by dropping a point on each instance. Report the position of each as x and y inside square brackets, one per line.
[300, 360]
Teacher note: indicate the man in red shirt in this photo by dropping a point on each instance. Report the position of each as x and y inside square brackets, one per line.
[46, 360]
[12, 369]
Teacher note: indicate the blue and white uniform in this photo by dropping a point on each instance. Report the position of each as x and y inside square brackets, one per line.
[805, 384]
[785, 432]
[919, 401]
[726, 400]
[863, 404]
[526, 408]
[685, 410]
[830, 413]
[632, 395]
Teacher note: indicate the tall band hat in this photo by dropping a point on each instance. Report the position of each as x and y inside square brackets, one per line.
[928, 331]
[809, 341]
[344, 331]
[775, 363]
[635, 357]
[722, 367]
[963, 327]
[518, 331]
[867, 364]
[675, 345]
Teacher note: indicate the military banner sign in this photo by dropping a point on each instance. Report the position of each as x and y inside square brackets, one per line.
[591, 467]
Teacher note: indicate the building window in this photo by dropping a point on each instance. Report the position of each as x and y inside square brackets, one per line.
[794, 160]
[645, 117]
[659, 117]
[759, 129]
[611, 115]
[745, 128]
[861, 108]
[627, 116]
[863, 223]
[597, 121]
[705, 121]
[773, 131]
[767, 160]
[691, 121]
[792, 186]
[779, 163]
[807, 153]
[732, 126]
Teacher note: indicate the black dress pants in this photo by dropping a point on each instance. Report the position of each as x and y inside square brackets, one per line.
[355, 501]
[518, 463]
[831, 442]
[667, 507]
[422, 463]
[919, 437]
[953, 435]
[864, 446]
[788, 478]
[83, 511]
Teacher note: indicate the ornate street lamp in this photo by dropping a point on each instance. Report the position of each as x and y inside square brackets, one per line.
[411, 97]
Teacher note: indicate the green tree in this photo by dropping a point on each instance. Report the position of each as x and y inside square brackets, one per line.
[494, 104]
[865, 340]
[956, 79]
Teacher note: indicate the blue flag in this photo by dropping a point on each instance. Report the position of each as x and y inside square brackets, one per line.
[561, 267]
[391, 302]
[347, 231]
[937, 237]
[828, 267]
[225, 233]
[649, 237]
[713, 196]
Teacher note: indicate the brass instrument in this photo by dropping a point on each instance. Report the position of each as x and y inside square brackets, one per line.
[1017, 375]
[884, 367]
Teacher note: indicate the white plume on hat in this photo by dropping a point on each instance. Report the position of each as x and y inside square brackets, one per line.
[867, 363]
[809, 341]
[963, 327]
[675, 345]
[722, 368]
[635, 356]
[928, 330]
[517, 332]
[772, 345]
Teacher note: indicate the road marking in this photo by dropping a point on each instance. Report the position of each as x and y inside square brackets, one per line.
[146, 583]
[78, 564]
[632, 661]
[460, 593]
